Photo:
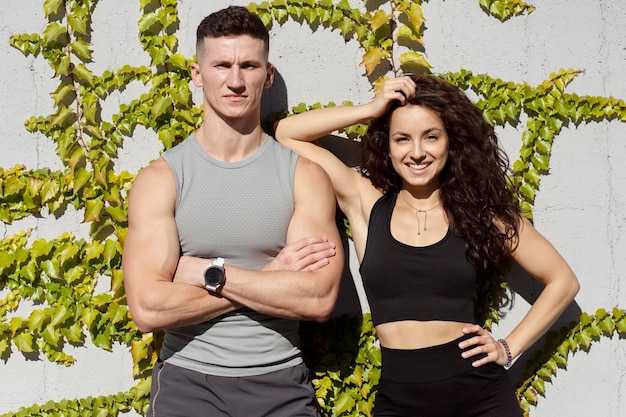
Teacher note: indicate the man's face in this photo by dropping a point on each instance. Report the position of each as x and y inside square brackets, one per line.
[232, 71]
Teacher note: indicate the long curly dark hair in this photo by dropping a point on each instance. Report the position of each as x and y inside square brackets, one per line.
[474, 186]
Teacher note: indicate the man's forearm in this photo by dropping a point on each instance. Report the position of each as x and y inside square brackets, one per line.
[287, 294]
[166, 305]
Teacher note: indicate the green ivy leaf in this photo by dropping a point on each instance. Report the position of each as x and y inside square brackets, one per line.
[4, 346]
[36, 320]
[102, 339]
[24, 342]
[179, 61]
[343, 403]
[74, 333]
[540, 162]
[51, 268]
[55, 33]
[62, 115]
[41, 247]
[528, 191]
[93, 210]
[161, 106]
[50, 336]
[148, 21]
[78, 24]
[52, 7]
[143, 388]
[413, 62]
[539, 385]
[81, 49]
[83, 74]
[65, 92]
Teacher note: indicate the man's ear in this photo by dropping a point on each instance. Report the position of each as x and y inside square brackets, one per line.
[196, 76]
[270, 76]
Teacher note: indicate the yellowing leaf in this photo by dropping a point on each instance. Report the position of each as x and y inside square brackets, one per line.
[142, 389]
[83, 73]
[413, 62]
[36, 320]
[343, 403]
[147, 21]
[117, 279]
[52, 7]
[4, 346]
[406, 33]
[65, 93]
[55, 32]
[51, 268]
[73, 333]
[62, 115]
[49, 191]
[41, 247]
[78, 24]
[379, 19]
[74, 274]
[372, 58]
[81, 177]
[50, 335]
[179, 61]
[81, 49]
[93, 210]
[24, 342]
[62, 66]
[415, 15]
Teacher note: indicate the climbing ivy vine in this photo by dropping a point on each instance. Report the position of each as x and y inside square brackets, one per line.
[59, 276]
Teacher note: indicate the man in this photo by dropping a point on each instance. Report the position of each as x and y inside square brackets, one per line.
[231, 241]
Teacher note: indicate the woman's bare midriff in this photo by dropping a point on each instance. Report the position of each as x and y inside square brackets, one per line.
[411, 334]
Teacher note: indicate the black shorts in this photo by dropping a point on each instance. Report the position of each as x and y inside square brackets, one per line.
[437, 382]
[180, 392]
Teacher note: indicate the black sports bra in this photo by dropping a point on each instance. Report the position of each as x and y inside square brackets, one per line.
[403, 282]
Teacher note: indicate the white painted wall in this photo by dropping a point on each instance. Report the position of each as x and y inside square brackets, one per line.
[581, 206]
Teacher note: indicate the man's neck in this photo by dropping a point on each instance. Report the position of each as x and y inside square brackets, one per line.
[230, 140]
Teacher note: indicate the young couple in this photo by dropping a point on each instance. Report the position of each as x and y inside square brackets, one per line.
[232, 240]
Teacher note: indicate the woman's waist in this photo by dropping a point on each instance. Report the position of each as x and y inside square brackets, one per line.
[414, 334]
[428, 364]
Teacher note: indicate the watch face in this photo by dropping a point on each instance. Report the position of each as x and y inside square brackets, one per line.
[213, 276]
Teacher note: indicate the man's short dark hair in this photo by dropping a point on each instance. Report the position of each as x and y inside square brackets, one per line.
[232, 21]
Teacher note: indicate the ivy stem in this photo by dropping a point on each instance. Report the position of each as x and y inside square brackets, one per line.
[392, 25]
[79, 111]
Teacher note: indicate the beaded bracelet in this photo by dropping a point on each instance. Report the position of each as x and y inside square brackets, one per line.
[509, 358]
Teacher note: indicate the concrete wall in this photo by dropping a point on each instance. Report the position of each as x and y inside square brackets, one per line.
[581, 206]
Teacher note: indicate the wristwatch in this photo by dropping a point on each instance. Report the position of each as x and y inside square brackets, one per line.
[215, 276]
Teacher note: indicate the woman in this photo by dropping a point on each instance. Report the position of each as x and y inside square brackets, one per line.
[431, 217]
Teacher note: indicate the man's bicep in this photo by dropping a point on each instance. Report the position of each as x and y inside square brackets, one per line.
[151, 249]
[315, 204]
[315, 214]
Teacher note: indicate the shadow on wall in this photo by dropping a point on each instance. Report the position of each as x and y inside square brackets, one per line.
[522, 284]
[274, 99]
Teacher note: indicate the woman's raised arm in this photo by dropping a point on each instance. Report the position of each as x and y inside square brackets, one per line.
[313, 124]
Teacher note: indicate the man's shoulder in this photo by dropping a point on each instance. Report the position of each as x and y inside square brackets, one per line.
[156, 170]
[311, 173]
[179, 147]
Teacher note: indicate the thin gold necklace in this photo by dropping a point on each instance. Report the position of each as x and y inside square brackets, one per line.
[418, 211]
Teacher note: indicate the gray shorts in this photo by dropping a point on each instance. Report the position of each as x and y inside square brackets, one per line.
[182, 392]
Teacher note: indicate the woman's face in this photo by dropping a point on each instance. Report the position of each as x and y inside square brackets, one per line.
[418, 147]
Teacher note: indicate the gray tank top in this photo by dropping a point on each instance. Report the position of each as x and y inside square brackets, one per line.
[239, 211]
